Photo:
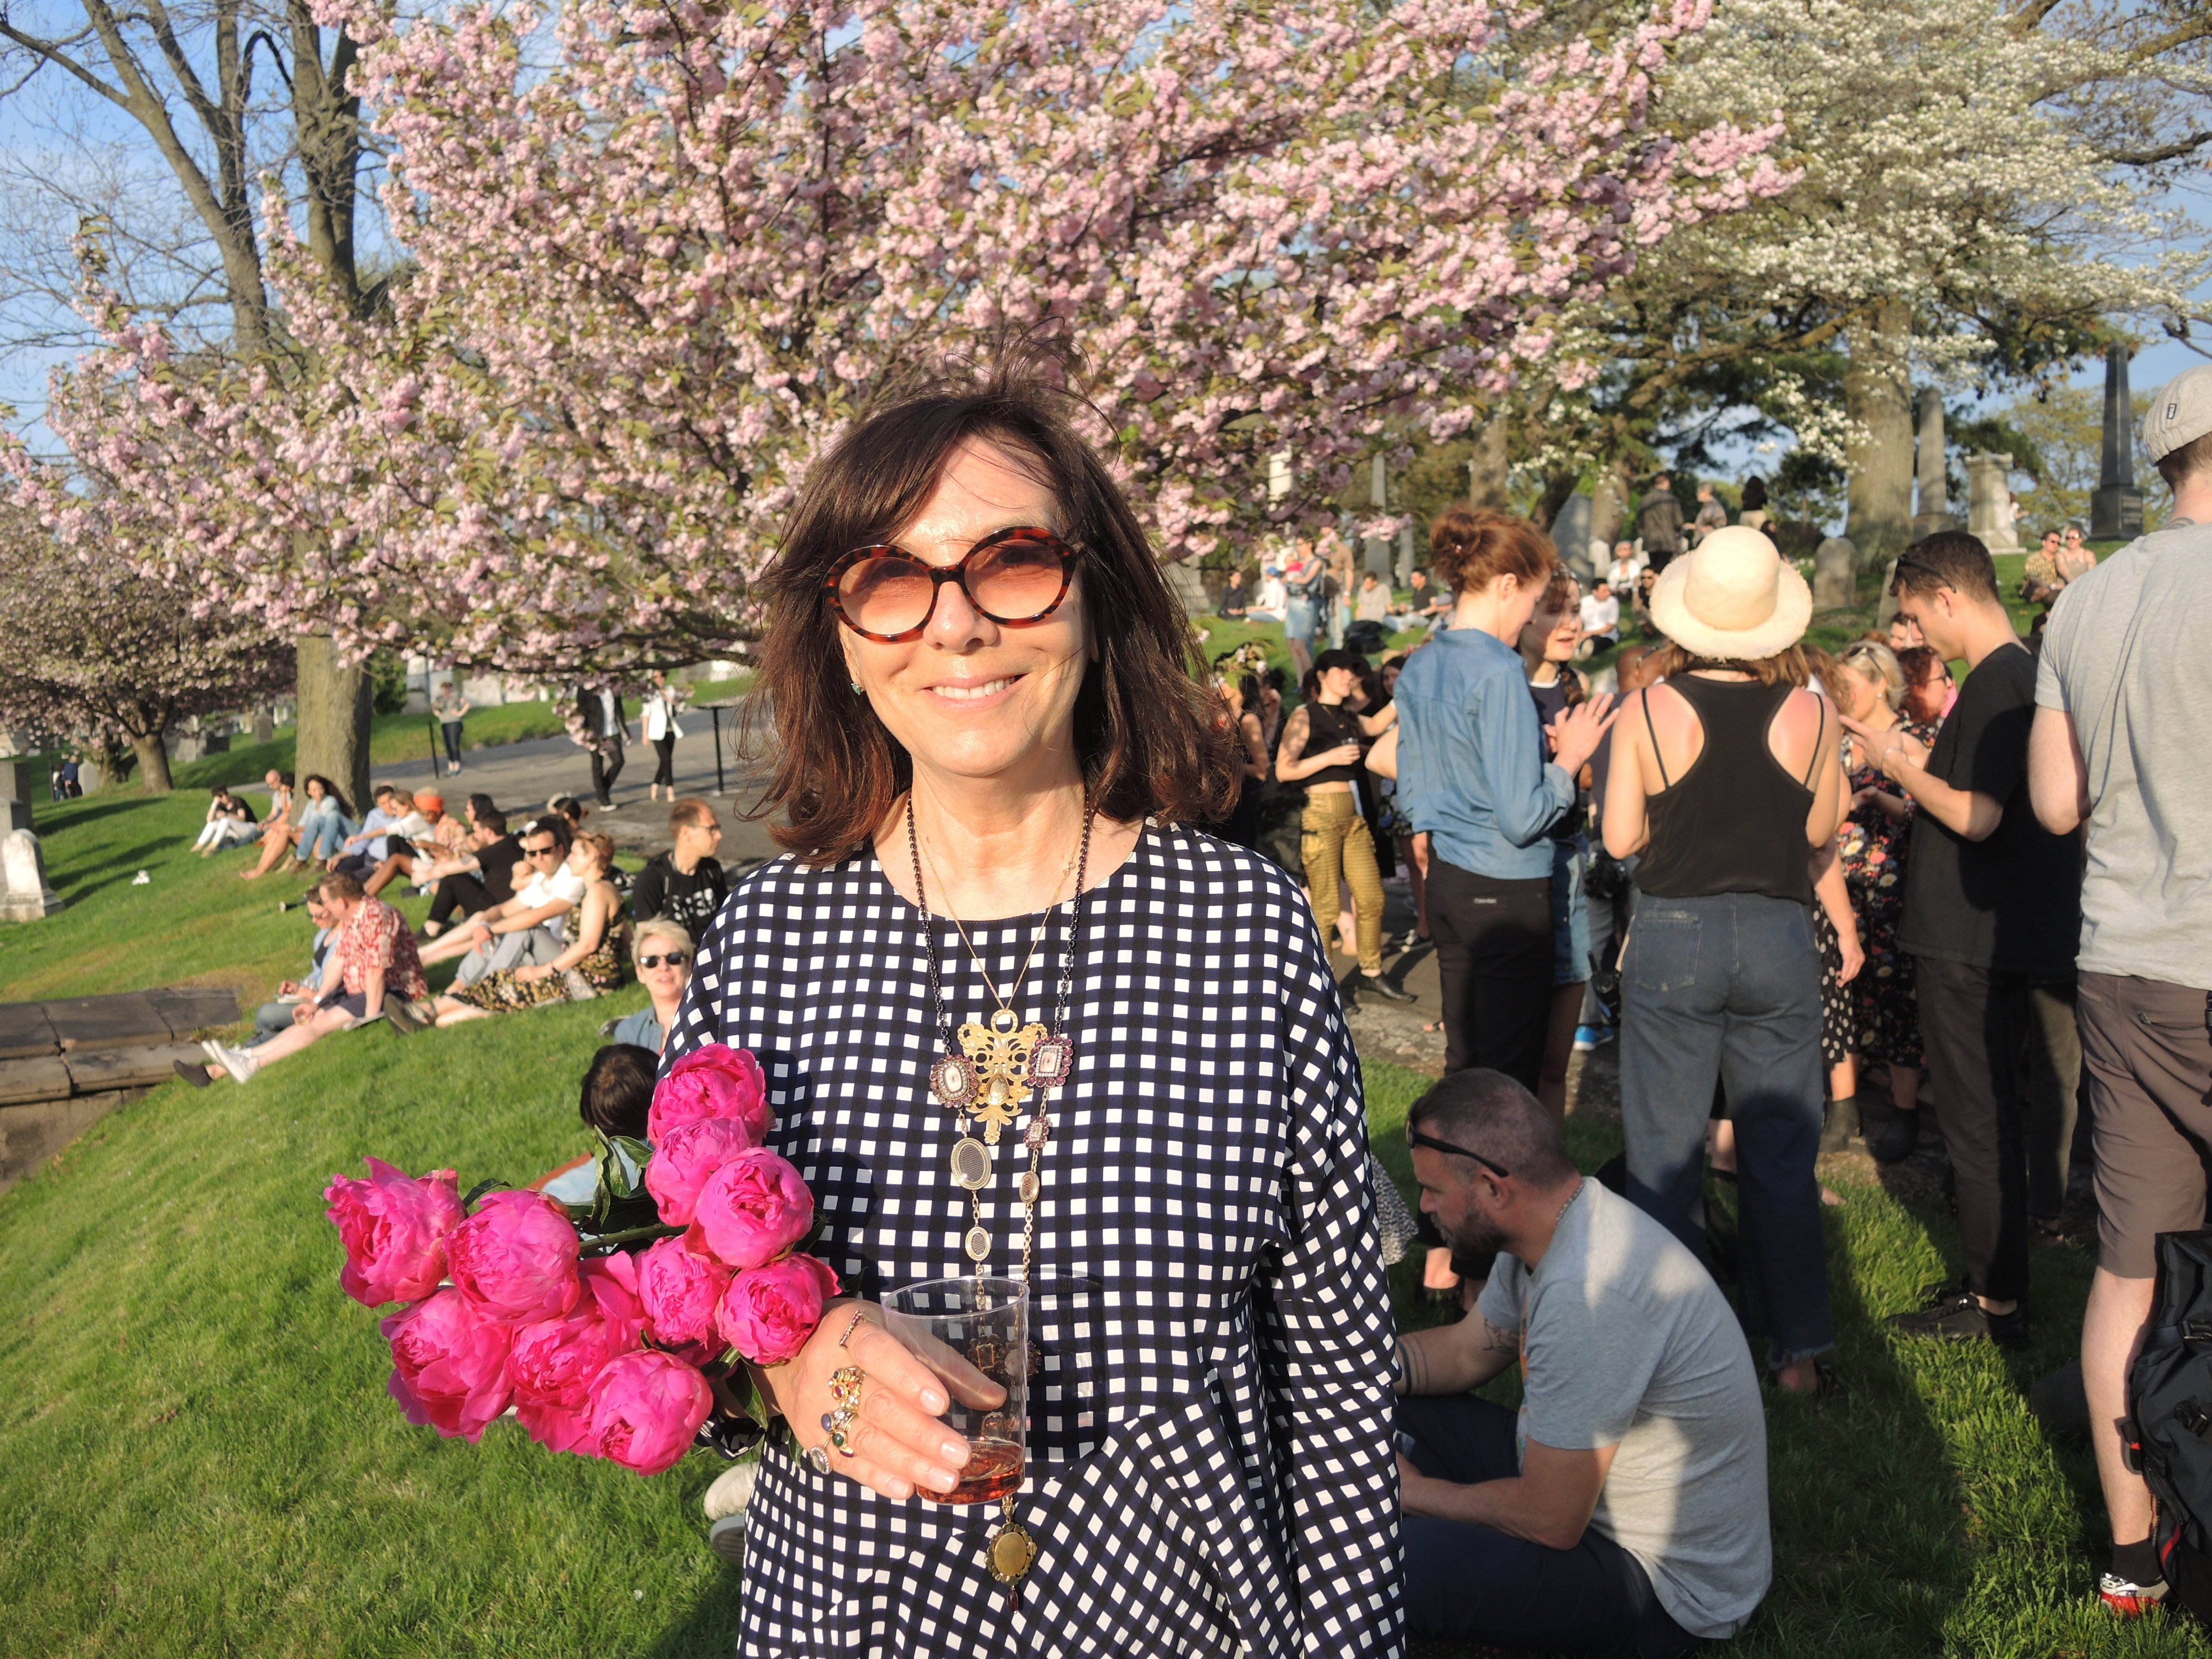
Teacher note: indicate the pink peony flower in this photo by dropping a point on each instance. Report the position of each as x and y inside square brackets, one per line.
[685, 1157]
[645, 1407]
[448, 1365]
[716, 1081]
[515, 1258]
[753, 1209]
[393, 1227]
[556, 1359]
[768, 1313]
[680, 1288]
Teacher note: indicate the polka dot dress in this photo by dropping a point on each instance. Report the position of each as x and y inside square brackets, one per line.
[1210, 1470]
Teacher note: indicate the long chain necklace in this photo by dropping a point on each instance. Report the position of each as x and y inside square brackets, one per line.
[994, 1074]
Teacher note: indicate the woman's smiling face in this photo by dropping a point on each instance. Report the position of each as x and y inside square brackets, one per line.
[973, 698]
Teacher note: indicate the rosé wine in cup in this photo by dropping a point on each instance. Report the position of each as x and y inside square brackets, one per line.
[975, 1334]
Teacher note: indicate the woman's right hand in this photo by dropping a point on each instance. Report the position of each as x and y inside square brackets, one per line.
[899, 1440]
[1345, 754]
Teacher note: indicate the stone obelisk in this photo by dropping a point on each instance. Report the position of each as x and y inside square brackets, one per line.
[2116, 505]
[1934, 512]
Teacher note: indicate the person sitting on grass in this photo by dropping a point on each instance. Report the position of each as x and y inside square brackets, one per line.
[685, 883]
[275, 1016]
[1624, 1512]
[523, 929]
[439, 836]
[389, 806]
[664, 967]
[617, 1094]
[229, 823]
[596, 960]
[479, 874]
[372, 957]
[324, 822]
[279, 837]
[410, 820]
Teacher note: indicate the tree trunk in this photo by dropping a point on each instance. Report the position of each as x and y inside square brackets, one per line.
[153, 763]
[1487, 467]
[334, 710]
[1878, 397]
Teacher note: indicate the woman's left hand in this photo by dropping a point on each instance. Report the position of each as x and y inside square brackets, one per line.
[527, 976]
[1853, 956]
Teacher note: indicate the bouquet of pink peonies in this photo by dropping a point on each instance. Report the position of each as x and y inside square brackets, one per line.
[599, 1326]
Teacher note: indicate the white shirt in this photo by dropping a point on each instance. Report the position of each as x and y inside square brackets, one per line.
[545, 888]
[1622, 575]
[1601, 615]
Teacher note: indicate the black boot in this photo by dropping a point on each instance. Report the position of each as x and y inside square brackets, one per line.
[1840, 1127]
[1898, 1138]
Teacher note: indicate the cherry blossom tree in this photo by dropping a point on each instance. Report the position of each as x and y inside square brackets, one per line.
[649, 282]
[97, 650]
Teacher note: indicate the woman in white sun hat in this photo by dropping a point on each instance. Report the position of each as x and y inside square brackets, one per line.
[1725, 777]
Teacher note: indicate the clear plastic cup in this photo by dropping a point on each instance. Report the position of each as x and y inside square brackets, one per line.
[974, 1333]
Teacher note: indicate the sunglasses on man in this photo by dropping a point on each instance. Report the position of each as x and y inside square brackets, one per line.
[670, 959]
[540, 851]
[1415, 1137]
[1014, 577]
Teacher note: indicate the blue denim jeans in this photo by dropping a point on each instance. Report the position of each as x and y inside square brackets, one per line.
[1727, 987]
[320, 838]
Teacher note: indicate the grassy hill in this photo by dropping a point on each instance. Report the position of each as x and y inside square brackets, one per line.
[200, 1458]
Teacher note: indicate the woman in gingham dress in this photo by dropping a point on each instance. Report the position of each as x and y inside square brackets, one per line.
[1015, 742]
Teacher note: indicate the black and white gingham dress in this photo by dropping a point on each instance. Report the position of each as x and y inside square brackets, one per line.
[1211, 1467]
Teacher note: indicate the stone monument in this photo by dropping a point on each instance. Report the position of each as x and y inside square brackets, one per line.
[2115, 506]
[1571, 534]
[1934, 512]
[22, 782]
[1835, 564]
[1378, 548]
[24, 895]
[1989, 502]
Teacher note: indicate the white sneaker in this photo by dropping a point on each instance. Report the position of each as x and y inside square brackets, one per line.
[240, 1065]
[726, 1503]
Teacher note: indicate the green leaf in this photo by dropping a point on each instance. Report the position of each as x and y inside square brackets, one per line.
[490, 1184]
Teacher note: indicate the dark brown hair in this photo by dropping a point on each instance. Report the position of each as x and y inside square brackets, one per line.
[1949, 558]
[1470, 547]
[2194, 456]
[1148, 732]
[339, 888]
[691, 813]
[1787, 666]
[619, 1090]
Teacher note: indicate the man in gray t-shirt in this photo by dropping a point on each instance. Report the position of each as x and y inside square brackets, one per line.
[2122, 728]
[1625, 1510]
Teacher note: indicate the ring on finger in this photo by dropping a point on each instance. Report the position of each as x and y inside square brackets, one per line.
[845, 1402]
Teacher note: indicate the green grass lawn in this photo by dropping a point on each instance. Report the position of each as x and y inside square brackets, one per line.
[201, 1458]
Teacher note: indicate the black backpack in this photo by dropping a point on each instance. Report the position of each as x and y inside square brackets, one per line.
[2170, 1399]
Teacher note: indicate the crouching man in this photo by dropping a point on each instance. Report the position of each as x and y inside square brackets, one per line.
[1624, 1512]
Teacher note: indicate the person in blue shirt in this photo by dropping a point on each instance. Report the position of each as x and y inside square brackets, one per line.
[1475, 778]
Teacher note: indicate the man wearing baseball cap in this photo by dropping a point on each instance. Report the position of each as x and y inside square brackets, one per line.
[2123, 706]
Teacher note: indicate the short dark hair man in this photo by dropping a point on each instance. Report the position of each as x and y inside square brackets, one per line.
[1631, 1518]
[1992, 915]
[686, 883]
[2122, 705]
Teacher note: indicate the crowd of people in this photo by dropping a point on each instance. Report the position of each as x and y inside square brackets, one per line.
[1939, 871]
[576, 928]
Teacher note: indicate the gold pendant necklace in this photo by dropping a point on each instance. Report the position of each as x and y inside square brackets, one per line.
[997, 1070]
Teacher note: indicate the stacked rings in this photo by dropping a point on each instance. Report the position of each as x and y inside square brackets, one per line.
[845, 1401]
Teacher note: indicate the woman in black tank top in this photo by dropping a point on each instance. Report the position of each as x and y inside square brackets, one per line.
[1726, 782]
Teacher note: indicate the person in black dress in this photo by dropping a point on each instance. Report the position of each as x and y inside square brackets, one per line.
[990, 737]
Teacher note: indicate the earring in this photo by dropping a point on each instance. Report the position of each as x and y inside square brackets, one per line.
[856, 688]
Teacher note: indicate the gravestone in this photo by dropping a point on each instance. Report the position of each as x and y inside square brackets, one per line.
[1934, 512]
[1378, 548]
[22, 782]
[1989, 502]
[1835, 562]
[1187, 585]
[265, 725]
[24, 895]
[2116, 505]
[1405, 555]
[1571, 534]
